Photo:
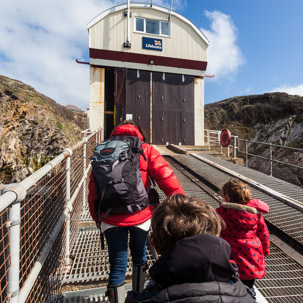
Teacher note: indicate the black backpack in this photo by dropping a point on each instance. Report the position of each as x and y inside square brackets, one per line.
[117, 176]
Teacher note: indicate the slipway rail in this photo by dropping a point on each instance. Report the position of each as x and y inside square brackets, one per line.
[39, 223]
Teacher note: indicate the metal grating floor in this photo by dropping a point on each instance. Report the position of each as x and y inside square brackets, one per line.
[285, 217]
[90, 263]
[283, 281]
[284, 278]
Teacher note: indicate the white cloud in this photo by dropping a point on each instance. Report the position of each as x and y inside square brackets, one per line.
[224, 55]
[292, 90]
[40, 41]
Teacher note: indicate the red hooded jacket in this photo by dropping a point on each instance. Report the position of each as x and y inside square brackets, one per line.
[155, 166]
[248, 235]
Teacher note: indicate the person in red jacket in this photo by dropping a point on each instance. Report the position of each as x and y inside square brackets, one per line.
[246, 230]
[116, 227]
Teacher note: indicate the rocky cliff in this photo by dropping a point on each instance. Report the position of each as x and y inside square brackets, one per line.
[33, 130]
[275, 118]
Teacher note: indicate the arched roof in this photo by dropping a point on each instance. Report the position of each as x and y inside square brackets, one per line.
[145, 5]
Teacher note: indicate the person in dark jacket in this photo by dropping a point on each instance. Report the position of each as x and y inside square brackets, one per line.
[117, 227]
[194, 264]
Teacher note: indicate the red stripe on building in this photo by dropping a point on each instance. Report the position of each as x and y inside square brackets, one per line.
[146, 59]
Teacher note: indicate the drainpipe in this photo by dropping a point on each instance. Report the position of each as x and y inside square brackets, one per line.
[128, 29]
[127, 44]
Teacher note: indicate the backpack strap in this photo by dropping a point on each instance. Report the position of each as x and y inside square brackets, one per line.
[142, 153]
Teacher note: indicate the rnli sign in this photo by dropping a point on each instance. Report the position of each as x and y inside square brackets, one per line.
[151, 43]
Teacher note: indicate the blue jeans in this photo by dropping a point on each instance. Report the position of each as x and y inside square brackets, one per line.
[117, 238]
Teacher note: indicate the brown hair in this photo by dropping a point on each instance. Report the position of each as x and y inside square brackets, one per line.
[237, 191]
[179, 217]
[132, 122]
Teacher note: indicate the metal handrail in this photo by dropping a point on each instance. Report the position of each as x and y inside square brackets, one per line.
[272, 144]
[13, 195]
[236, 148]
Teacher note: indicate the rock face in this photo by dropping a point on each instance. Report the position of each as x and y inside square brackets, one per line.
[275, 118]
[33, 130]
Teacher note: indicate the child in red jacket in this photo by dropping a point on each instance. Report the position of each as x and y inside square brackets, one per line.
[246, 230]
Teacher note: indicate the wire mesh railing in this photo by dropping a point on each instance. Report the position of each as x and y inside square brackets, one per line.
[269, 155]
[39, 222]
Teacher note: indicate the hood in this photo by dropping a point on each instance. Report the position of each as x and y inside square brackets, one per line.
[240, 216]
[259, 205]
[196, 259]
[127, 130]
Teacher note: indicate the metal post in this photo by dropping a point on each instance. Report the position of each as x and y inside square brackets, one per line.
[270, 157]
[235, 147]
[69, 207]
[208, 141]
[13, 224]
[84, 174]
[14, 235]
[246, 153]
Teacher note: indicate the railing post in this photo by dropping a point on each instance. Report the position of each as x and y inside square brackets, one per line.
[69, 207]
[246, 153]
[235, 147]
[14, 235]
[100, 135]
[84, 174]
[14, 216]
[208, 142]
[270, 157]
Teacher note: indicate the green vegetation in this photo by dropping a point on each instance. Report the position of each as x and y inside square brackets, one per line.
[59, 125]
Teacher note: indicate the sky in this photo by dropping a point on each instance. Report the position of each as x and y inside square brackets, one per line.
[255, 47]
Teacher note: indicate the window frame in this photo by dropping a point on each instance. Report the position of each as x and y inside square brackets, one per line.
[144, 27]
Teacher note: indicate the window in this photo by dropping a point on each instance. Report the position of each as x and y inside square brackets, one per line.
[139, 25]
[153, 27]
[165, 28]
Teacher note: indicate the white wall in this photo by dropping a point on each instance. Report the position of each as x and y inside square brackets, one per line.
[110, 33]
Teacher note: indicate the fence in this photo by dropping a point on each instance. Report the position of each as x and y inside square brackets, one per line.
[244, 147]
[39, 222]
[213, 139]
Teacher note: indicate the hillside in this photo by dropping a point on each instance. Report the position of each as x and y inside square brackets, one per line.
[275, 118]
[33, 130]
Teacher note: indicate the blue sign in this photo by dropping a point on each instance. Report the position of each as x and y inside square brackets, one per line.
[151, 43]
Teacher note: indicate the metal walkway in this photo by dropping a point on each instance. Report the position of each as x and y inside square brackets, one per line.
[283, 281]
[281, 215]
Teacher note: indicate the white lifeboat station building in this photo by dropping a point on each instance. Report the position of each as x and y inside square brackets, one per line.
[147, 63]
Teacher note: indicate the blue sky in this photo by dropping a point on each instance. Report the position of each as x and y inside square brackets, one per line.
[256, 46]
